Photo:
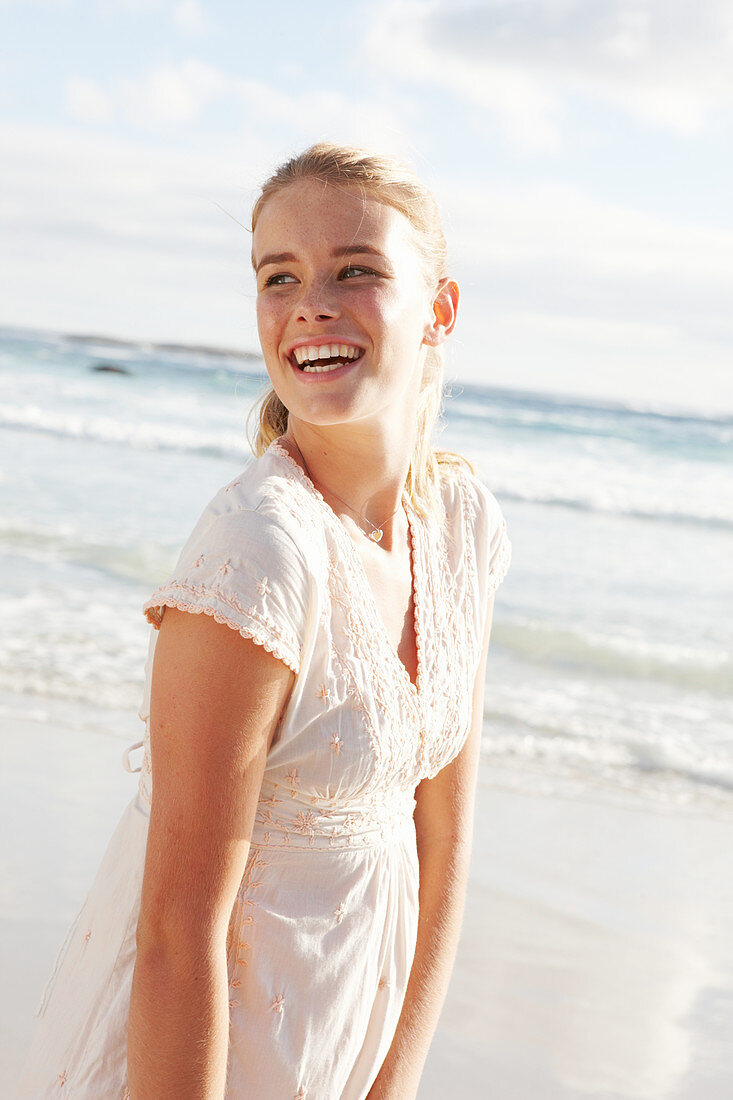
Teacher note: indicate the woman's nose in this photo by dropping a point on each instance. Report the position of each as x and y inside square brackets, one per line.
[317, 303]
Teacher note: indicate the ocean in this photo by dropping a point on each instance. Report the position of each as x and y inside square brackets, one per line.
[611, 666]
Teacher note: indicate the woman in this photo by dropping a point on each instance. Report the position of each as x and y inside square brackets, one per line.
[280, 919]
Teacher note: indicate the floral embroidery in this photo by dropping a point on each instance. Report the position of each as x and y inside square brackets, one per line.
[87, 935]
[237, 946]
[263, 587]
[294, 779]
[199, 561]
[383, 983]
[277, 1004]
[324, 695]
[271, 801]
[339, 913]
[225, 567]
[61, 1078]
[230, 486]
[300, 1094]
[336, 744]
[305, 822]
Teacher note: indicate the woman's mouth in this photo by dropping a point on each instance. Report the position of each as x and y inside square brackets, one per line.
[323, 359]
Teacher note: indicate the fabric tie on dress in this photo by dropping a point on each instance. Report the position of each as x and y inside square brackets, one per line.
[290, 818]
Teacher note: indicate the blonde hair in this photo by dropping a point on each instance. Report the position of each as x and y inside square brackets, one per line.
[385, 180]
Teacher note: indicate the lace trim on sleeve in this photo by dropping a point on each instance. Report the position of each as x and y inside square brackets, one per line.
[247, 621]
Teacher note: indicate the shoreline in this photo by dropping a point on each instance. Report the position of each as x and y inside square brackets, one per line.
[595, 958]
[464, 385]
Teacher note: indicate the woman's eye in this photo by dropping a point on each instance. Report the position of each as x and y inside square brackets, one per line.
[278, 280]
[355, 269]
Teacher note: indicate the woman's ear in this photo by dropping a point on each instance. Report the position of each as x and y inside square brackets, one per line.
[445, 310]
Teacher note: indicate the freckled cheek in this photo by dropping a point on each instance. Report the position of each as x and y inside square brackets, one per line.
[269, 329]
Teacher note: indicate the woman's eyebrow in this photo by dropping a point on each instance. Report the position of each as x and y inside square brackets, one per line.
[276, 258]
[356, 249]
[341, 250]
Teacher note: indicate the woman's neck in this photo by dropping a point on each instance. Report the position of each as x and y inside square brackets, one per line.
[360, 471]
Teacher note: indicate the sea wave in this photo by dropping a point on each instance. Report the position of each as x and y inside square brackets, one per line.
[616, 655]
[596, 738]
[718, 514]
[571, 415]
[149, 435]
[610, 492]
[138, 560]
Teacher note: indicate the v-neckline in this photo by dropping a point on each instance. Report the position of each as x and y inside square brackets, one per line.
[416, 687]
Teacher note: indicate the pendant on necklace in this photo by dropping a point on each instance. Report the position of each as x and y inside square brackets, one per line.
[376, 535]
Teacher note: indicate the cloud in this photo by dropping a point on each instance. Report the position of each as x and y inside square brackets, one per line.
[169, 94]
[561, 289]
[129, 238]
[555, 251]
[190, 18]
[666, 63]
[183, 95]
[85, 100]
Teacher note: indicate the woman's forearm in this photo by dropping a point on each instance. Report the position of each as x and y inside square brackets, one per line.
[179, 1022]
[443, 879]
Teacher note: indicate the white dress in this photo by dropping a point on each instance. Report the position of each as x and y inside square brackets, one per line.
[322, 934]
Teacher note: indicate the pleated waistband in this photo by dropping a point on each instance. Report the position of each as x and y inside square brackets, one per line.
[288, 819]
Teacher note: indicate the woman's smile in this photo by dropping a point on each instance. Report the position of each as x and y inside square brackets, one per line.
[324, 355]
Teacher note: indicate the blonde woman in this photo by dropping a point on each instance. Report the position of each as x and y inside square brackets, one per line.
[277, 914]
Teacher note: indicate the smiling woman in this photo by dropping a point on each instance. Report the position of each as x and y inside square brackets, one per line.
[278, 912]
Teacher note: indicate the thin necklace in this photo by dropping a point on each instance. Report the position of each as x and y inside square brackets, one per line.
[376, 533]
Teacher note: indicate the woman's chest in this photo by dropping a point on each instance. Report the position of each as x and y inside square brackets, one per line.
[361, 723]
[391, 585]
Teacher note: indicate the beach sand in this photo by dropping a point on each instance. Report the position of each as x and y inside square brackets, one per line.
[597, 951]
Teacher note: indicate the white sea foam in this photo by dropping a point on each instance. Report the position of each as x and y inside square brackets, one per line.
[709, 668]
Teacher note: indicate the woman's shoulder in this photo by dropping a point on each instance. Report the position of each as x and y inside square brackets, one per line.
[264, 499]
[475, 524]
[466, 497]
[245, 565]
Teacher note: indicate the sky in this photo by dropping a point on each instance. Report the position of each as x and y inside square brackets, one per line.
[581, 152]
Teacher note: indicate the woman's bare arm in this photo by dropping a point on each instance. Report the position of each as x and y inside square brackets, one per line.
[444, 824]
[215, 701]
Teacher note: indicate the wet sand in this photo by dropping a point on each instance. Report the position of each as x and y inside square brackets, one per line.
[597, 952]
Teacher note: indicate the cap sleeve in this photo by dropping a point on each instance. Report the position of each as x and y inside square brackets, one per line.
[244, 570]
[488, 550]
[493, 542]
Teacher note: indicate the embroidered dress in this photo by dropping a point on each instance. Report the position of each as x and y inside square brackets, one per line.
[322, 934]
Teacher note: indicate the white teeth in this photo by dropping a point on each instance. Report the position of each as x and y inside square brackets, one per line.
[311, 368]
[310, 354]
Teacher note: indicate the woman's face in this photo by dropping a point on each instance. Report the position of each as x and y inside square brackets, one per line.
[343, 306]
